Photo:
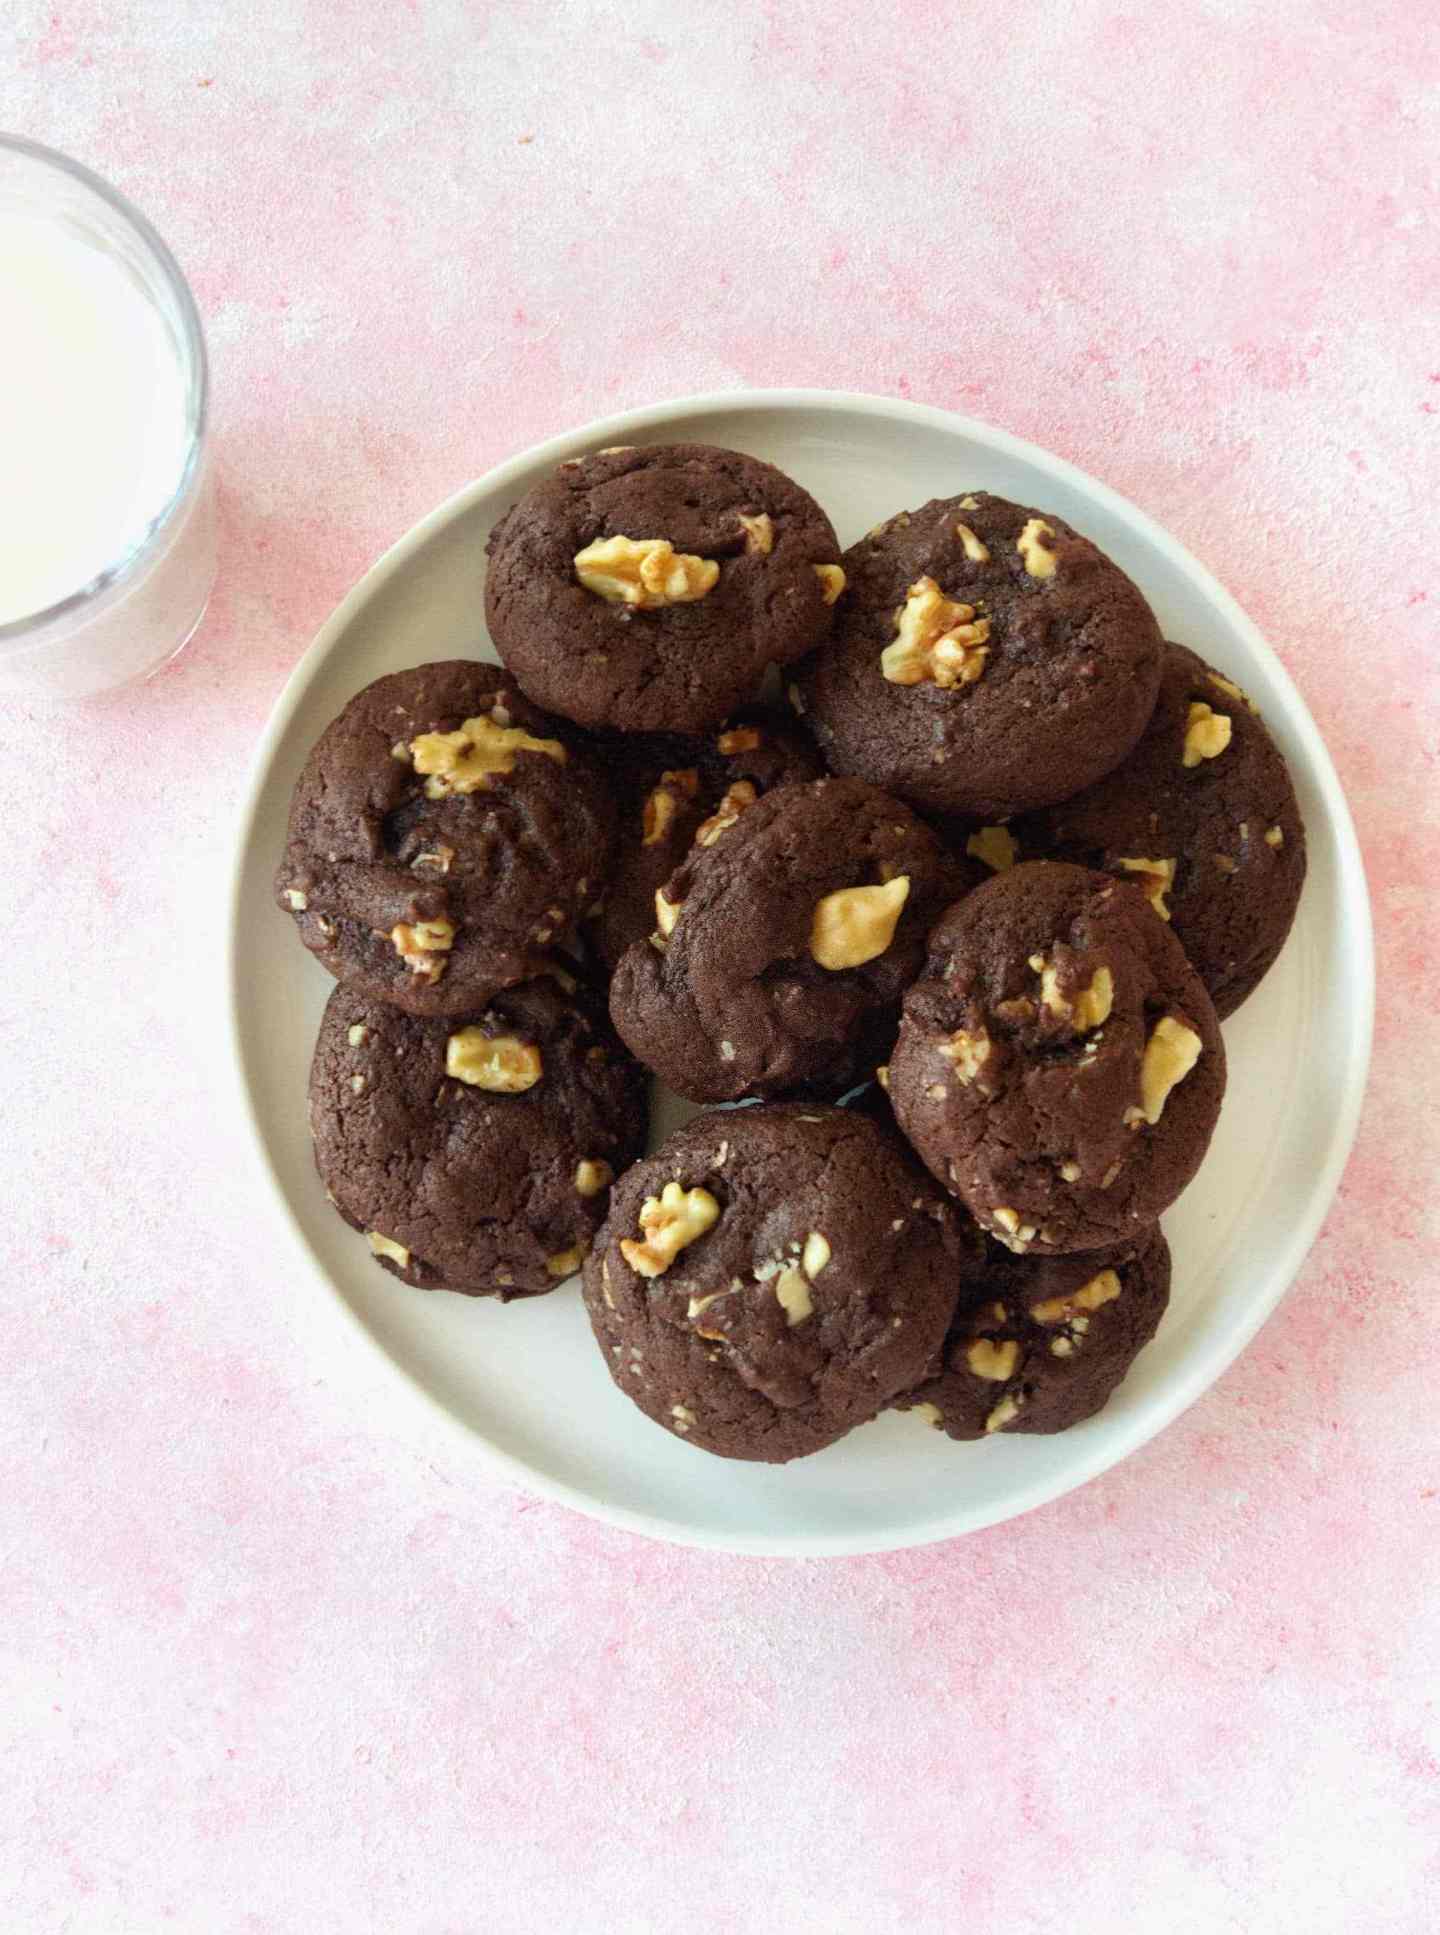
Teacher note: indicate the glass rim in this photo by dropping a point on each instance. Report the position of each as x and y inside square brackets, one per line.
[125, 568]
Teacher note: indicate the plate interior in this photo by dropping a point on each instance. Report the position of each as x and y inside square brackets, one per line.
[527, 1381]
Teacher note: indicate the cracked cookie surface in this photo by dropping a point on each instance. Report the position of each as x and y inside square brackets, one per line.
[1059, 1064]
[772, 1277]
[476, 1153]
[445, 837]
[985, 658]
[595, 634]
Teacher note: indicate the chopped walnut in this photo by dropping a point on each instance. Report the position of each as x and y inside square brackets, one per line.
[937, 640]
[663, 803]
[967, 1053]
[566, 1262]
[1232, 691]
[1086, 1009]
[468, 759]
[832, 581]
[994, 1362]
[737, 798]
[667, 912]
[995, 846]
[500, 1063]
[1207, 734]
[1039, 557]
[739, 739]
[592, 1175]
[1171, 1052]
[792, 1289]
[424, 945]
[1005, 1412]
[296, 900]
[669, 1222]
[759, 534]
[1157, 877]
[976, 549]
[388, 1247]
[815, 1255]
[1101, 1289]
[857, 924]
[644, 573]
[1275, 836]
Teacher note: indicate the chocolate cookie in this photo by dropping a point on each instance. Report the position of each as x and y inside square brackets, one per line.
[1203, 814]
[985, 658]
[1040, 1343]
[683, 792]
[445, 838]
[647, 589]
[475, 1153]
[1059, 1063]
[782, 950]
[772, 1277]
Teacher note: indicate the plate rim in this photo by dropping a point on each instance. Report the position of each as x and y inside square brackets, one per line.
[1188, 1385]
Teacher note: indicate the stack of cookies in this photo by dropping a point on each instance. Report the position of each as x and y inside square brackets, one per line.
[957, 927]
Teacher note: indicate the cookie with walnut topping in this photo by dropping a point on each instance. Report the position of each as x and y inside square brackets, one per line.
[677, 793]
[985, 658]
[475, 1153]
[772, 1277]
[649, 588]
[781, 951]
[1059, 1064]
[1204, 815]
[445, 838]
[1040, 1343]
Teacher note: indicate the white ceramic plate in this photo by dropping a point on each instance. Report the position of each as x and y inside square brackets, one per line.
[526, 1383]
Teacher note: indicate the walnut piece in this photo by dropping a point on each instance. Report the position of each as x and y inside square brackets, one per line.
[759, 534]
[644, 573]
[424, 945]
[937, 640]
[832, 581]
[1005, 1411]
[684, 1417]
[1207, 734]
[1039, 557]
[1232, 691]
[664, 803]
[592, 1175]
[1170, 1054]
[857, 923]
[994, 1362]
[500, 1063]
[739, 739]
[792, 1288]
[815, 1255]
[667, 912]
[737, 798]
[1157, 877]
[357, 1034]
[387, 1246]
[296, 900]
[1088, 1008]
[1101, 1289]
[668, 1223]
[467, 760]
[1014, 1234]
[1275, 836]
[565, 1263]
[995, 845]
[967, 1053]
[438, 859]
[976, 549]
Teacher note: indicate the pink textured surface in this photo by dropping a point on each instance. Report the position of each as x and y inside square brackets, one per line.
[266, 1665]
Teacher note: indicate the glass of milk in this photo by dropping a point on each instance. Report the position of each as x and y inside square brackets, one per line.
[107, 530]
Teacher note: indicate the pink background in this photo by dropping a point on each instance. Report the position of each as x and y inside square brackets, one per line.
[268, 1665]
